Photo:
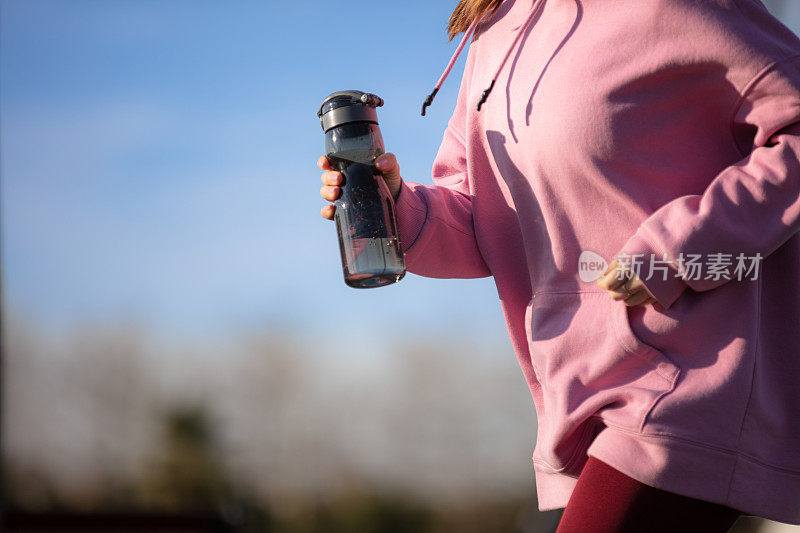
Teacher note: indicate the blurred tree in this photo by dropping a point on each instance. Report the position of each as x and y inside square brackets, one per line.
[187, 474]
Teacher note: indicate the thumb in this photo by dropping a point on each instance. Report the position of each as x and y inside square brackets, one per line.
[611, 266]
[390, 170]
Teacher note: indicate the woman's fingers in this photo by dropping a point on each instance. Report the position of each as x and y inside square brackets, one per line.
[637, 298]
[613, 278]
[333, 180]
[332, 177]
[328, 211]
[330, 193]
[625, 286]
[387, 164]
[390, 170]
[619, 280]
[330, 190]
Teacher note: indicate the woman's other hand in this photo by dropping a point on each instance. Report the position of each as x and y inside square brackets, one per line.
[332, 180]
[615, 284]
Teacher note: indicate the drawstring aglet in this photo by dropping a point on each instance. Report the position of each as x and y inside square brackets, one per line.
[485, 95]
[429, 100]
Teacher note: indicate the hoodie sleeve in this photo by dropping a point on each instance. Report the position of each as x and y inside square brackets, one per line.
[752, 207]
[435, 221]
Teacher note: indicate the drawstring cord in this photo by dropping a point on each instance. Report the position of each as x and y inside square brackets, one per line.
[519, 35]
[454, 58]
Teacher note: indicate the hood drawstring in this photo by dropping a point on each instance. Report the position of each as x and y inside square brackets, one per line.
[453, 59]
[467, 35]
[520, 33]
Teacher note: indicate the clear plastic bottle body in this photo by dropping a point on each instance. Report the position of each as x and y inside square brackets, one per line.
[365, 218]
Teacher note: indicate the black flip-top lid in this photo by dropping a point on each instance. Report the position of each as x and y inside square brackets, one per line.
[343, 107]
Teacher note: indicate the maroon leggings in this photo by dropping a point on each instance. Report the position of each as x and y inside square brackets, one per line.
[607, 501]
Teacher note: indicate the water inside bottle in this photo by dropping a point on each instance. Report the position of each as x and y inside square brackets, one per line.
[371, 262]
[368, 274]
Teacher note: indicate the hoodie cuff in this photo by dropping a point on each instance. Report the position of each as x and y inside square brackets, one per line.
[663, 281]
[411, 212]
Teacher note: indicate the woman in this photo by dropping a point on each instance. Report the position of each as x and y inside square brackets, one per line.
[662, 134]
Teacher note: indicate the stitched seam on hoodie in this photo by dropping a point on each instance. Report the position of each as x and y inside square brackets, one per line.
[739, 8]
[428, 218]
[752, 380]
[588, 426]
[432, 217]
[760, 75]
[666, 436]
[621, 339]
[649, 410]
[408, 248]
[758, 5]
[459, 230]
[460, 138]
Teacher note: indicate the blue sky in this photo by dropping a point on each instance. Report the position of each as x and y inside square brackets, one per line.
[158, 162]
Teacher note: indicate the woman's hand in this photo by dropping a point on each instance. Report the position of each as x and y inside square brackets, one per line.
[616, 285]
[386, 164]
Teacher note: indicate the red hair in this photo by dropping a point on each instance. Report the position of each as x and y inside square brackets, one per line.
[467, 12]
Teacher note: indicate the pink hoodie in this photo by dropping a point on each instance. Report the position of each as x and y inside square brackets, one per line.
[659, 128]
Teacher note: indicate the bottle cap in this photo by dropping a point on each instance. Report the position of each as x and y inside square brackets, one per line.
[343, 107]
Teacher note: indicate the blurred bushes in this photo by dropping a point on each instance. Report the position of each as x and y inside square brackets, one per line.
[267, 434]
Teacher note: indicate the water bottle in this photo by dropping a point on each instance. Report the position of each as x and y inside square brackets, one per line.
[365, 217]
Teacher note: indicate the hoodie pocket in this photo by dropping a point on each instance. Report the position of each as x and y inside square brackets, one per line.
[590, 364]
